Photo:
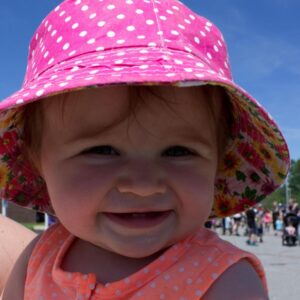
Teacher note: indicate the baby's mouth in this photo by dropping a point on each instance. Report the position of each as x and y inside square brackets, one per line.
[139, 219]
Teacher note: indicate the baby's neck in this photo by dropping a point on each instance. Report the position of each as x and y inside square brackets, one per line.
[108, 266]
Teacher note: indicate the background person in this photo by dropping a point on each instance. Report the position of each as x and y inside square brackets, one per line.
[252, 227]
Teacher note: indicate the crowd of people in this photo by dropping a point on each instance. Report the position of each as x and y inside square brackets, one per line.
[281, 220]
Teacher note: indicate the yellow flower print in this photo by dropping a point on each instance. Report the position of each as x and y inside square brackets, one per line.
[10, 118]
[231, 163]
[3, 176]
[224, 205]
[273, 163]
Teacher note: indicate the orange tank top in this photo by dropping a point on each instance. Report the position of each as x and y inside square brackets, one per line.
[183, 272]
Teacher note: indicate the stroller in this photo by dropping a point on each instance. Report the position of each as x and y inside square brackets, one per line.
[290, 233]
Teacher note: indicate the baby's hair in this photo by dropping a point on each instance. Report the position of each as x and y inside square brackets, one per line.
[33, 115]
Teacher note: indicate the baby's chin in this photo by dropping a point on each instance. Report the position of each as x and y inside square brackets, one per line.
[155, 250]
[144, 246]
[137, 246]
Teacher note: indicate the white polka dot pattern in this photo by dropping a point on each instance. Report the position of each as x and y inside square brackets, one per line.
[87, 28]
[189, 278]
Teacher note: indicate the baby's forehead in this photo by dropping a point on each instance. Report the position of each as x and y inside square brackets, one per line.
[108, 106]
[123, 95]
[78, 106]
[128, 113]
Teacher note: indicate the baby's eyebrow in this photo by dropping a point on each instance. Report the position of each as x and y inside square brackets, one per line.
[87, 133]
[89, 130]
[196, 139]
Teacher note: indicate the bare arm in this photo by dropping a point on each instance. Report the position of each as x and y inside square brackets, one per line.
[239, 282]
[14, 289]
[14, 237]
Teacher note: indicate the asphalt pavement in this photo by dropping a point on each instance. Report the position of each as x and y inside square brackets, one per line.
[281, 263]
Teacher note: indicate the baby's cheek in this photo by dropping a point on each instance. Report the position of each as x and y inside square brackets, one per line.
[194, 188]
[80, 184]
[197, 182]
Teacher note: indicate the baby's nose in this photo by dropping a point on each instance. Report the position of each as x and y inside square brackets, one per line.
[142, 178]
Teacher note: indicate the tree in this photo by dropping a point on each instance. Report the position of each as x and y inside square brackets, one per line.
[294, 180]
[278, 196]
[293, 184]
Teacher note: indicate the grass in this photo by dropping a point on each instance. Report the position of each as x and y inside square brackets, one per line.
[31, 226]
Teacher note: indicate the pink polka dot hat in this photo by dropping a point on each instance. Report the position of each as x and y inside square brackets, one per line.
[91, 43]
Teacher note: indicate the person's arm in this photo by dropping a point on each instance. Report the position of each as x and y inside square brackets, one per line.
[240, 281]
[14, 288]
[14, 237]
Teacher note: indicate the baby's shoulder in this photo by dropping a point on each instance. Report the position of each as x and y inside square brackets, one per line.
[240, 281]
[227, 269]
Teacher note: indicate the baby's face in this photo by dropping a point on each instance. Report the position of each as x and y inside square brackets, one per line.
[132, 185]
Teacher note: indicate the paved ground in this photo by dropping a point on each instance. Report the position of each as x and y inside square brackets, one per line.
[281, 263]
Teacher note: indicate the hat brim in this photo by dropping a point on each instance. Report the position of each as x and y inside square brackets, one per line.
[142, 65]
[256, 160]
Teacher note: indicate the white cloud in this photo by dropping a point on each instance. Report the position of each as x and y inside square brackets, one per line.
[263, 55]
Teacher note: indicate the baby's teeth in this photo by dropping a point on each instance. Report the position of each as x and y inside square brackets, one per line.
[135, 215]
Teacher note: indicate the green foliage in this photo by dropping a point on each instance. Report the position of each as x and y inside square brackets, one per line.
[278, 196]
[294, 187]
[294, 180]
[30, 225]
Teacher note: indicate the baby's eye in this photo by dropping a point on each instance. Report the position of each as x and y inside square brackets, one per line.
[178, 151]
[101, 150]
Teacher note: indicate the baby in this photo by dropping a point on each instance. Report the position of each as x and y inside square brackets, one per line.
[130, 130]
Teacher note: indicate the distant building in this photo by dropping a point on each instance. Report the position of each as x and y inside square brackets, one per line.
[20, 214]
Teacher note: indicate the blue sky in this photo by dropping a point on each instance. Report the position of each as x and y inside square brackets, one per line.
[263, 38]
